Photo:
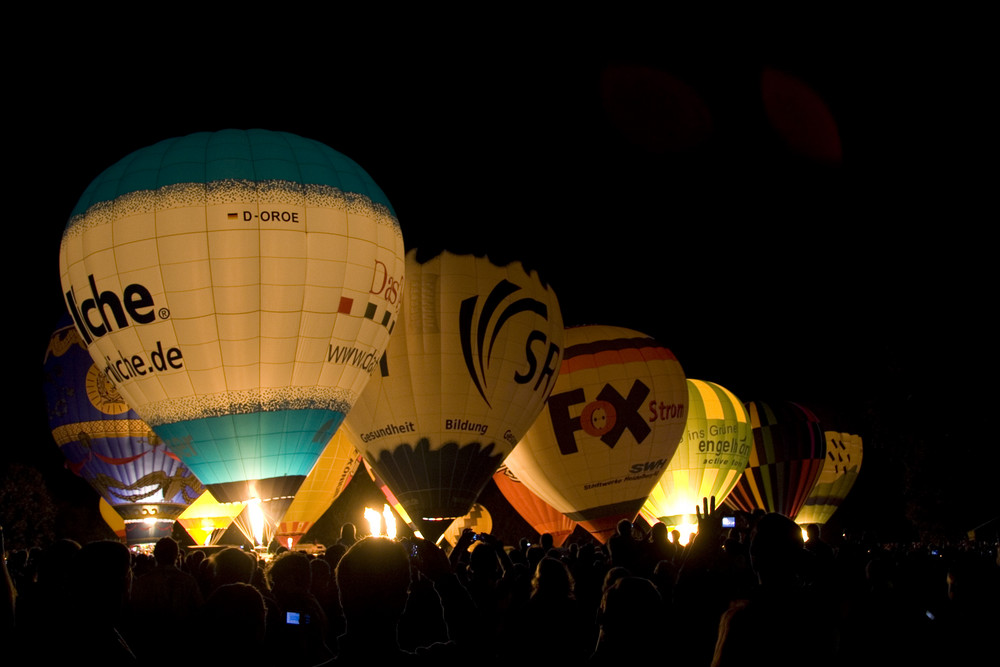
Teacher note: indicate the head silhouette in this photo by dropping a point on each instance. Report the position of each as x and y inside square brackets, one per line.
[373, 577]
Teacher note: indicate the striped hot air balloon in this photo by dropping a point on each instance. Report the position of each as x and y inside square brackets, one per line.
[840, 470]
[785, 461]
[711, 458]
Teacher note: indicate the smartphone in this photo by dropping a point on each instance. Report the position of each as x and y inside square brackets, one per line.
[296, 618]
[728, 522]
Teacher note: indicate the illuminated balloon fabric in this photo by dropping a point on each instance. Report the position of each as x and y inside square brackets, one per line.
[844, 452]
[238, 287]
[785, 461]
[478, 520]
[109, 446]
[112, 518]
[391, 498]
[541, 516]
[712, 455]
[206, 519]
[473, 357]
[608, 430]
[332, 472]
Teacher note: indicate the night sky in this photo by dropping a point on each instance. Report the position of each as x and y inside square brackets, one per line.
[799, 214]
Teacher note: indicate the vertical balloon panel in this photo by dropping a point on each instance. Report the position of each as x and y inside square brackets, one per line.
[844, 452]
[711, 457]
[472, 360]
[114, 520]
[785, 461]
[238, 288]
[108, 445]
[332, 472]
[609, 429]
[541, 516]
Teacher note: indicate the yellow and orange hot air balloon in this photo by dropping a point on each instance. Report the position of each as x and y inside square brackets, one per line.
[609, 429]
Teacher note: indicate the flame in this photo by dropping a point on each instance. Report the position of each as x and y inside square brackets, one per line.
[390, 522]
[374, 520]
[256, 520]
[687, 531]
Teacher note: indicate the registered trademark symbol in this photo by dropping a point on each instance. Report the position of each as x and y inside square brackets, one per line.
[164, 313]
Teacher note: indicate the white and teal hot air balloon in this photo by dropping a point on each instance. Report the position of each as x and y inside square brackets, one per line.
[238, 288]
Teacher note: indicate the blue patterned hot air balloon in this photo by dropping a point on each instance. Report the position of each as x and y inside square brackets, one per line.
[107, 444]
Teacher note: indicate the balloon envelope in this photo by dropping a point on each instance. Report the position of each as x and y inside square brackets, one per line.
[711, 457]
[238, 288]
[332, 472]
[478, 520]
[844, 452]
[541, 516]
[608, 430]
[112, 518]
[785, 461]
[470, 364]
[108, 445]
[206, 519]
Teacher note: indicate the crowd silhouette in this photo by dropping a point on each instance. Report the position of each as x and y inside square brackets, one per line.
[754, 594]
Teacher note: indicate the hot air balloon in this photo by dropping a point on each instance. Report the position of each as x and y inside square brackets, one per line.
[206, 519]
[541, 516]
[112, 518]
[608, 430]
[332, 472]
[786, 458]
[238, 288]
[478, 520]
[711, 457]
[110, 446]
[839, 472]
[470, 364]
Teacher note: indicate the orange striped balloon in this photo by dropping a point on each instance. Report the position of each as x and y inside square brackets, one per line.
[541, 516]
